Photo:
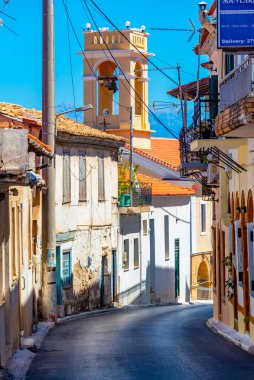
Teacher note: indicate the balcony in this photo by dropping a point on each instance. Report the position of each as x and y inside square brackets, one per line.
[141, 198]
[238, 84]
[202, 127]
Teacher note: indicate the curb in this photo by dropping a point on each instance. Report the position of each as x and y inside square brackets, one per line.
[231, 335]
[87, 314]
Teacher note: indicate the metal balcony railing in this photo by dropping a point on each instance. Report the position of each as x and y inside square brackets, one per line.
[238, 84]
[205, 112]
[141, 195]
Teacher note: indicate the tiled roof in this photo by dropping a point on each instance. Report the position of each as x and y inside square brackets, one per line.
[39, 142]
[64, 124]
[165, 149]
[162, 188]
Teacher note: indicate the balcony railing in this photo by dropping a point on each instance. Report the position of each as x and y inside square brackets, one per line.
[205, 112]
[238, 84]
[141, 195]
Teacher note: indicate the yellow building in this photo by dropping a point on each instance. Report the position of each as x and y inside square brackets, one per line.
[227, 175]
[102, 77]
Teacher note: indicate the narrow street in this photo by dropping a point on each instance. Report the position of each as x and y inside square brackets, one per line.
[169, 342]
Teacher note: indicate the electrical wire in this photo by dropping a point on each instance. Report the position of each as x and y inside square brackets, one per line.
[70, 61]
[173, 67]
[81, 47]
[132, 44]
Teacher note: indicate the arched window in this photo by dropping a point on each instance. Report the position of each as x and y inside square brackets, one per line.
[138, 90]
[250, 207]
[106, 97]
[95, 40]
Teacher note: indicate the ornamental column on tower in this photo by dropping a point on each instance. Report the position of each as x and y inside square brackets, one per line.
[114, 84]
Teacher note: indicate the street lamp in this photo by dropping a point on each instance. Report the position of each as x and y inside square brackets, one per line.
[79, 109]
[202, 5]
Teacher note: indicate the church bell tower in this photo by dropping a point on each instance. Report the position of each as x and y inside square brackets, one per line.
[111, 93]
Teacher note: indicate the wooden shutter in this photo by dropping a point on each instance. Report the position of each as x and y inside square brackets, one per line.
[101, 184]
[66, 178]
[82, 177]
[136, 253]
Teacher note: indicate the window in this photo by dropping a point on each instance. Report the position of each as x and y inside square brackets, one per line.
[166, 236]
[101, 185]
[66, 177]
[82, 178]
[66, 269]
[145, 227]
[136, 253]
[203, 218]
[125, 257]
[229, 63]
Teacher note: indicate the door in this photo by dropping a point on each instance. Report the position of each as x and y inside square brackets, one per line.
[177, 268]
[152, 256]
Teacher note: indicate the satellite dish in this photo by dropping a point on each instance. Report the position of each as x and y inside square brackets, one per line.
[106, 112]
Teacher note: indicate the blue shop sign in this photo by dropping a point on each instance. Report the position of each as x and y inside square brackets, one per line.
[235, 24]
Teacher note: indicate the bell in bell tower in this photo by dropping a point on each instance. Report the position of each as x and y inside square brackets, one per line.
[115, 85]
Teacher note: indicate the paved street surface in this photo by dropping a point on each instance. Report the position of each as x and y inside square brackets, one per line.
[168, 342]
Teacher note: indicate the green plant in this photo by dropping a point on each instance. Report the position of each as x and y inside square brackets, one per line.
[230, 284]
[246, 318]
[124, 177]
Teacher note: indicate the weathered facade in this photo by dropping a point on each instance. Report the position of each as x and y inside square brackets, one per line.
[86, 219]
[20, 232]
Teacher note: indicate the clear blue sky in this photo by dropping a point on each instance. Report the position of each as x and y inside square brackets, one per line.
[20, 63]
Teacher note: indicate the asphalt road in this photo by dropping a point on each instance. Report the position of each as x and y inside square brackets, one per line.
[167, 342]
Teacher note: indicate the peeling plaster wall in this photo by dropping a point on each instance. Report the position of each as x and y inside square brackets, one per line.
[92, 227]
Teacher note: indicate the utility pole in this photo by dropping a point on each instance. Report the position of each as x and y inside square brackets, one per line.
[131, 155]
[48, 135]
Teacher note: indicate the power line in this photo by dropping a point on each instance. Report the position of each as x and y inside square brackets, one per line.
[70, 60]
[81, 47]
[132, 44]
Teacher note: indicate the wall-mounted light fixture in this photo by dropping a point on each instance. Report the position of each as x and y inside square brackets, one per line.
[210, 66]
[238, 209]
[244, 210]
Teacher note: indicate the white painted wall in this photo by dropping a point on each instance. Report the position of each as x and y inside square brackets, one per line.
[178, 209]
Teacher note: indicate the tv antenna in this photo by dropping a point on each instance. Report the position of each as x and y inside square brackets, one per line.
[193, 30]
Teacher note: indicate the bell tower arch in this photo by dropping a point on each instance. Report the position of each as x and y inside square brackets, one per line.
[110, 92]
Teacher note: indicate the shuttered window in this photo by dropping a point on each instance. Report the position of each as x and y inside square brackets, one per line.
[101, 179]
[82, 178]
[66, 177]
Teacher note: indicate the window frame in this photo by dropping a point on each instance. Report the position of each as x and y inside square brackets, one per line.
[68, 283]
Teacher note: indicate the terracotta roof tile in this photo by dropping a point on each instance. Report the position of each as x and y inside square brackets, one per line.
[161, 188]
[166, 149]
[64, 124]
